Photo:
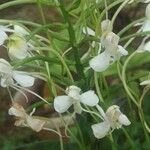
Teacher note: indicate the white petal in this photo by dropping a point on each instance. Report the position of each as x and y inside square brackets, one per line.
[146, 26]
[20, 30]
[62, 103]
[122, 50]
[100, 130]
[146, 82]
[35, 124]
[105, 25]
[146, 47]
[77, 108]
[23, 79]
[3, 37]
[5, 67]
[100, 62]
[89, 98]
[89, 31]
[147, 12]
[124, 120]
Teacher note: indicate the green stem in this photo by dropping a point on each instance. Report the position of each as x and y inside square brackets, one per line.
[50, 82]
[124, 78]
[97, 87]
[117, 12]
[132, 97]
[129, 138]
[72, 37]
[135, 35]
[16, 2]
[114, 147]
[141, 114]
[129, 26]
[43, 58]
[73, 136]
[109, 7]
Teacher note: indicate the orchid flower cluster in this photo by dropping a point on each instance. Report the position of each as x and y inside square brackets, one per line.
[18, 48]
[72, 75]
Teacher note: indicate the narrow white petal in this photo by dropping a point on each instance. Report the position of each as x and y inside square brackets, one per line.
[89, 31]
[3, 37]
[20, 30]
[122, 50]
[62, 103]
[124, 120]
[23, 79]
[5, 67]
[77, 108]
[100, 130]
[105, 25]
[89, 98]
[146, 82]
[146, 26]
[100, 62]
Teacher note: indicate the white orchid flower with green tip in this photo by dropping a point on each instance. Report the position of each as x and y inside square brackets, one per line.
[112, 52]
[9, 77]
[73, 97]
[17, 45]
[109, 41]
[112, 119]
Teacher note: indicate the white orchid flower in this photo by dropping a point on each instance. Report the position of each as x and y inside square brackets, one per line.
[8, 76]
[73, 97]
[17, 45]
[113, 119]
[112, 53]
[23, 119]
